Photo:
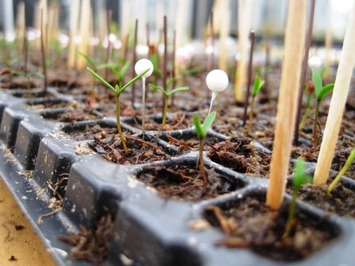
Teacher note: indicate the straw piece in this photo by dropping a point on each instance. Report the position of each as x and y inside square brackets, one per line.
[337, 104]
[287, 103]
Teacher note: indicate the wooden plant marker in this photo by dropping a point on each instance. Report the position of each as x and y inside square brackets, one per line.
[287, 103]
[337, 103]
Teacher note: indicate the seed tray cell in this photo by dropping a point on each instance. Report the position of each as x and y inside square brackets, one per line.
[61, 190]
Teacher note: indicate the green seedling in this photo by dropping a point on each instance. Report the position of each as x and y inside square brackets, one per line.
[201, 132]
[258, 83]
[167, 95]
[320, 92]
[300, 178]
[309, 92]
[117, 90]
[343, 170]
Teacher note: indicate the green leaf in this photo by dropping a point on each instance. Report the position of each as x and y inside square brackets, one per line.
[158, 88]
[300, 177]
[198, 126]
[124, 69]
[324, 92]
[129, 83]
[258, 83]
[110, 65]
[171, 81]
[207, 124]
[102, 80]
[177, 90]
[89, 61]
[317, 81]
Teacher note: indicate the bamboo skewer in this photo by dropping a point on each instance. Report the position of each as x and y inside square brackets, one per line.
[244, 16]
[287, 103]
[337, 103]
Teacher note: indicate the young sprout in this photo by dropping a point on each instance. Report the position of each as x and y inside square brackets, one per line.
[117, 90]
[139, 67]
[167, 95]
[345, 168]
[309, 92]
[300, 178]
[201, 131]
[217, 81]
[258, 83]
[321, 92]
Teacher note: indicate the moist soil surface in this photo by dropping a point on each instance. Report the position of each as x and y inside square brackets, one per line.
[248, 223]
[139, 150]
[240, 155]
[340, 202]
[185, 182]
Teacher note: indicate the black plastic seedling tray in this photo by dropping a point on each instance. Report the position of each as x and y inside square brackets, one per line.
[40, 163]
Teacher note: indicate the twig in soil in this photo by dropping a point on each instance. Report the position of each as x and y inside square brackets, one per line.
[221, 219]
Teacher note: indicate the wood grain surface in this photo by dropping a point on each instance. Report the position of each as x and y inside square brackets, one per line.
[19, 244]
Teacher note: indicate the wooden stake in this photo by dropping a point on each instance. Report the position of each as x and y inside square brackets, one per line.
[73, 29]
[109, 46]
[328, 38]
[250, 75]
[287, 103]
[244, 17]
[21, 26]
[44, 52]
[211, 44]
[337, 103]
[224, 33]
[84, 33]
[165, 58]
[304, 69]
[133, 86]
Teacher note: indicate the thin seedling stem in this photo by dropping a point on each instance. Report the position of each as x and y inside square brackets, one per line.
[250, 74]
[315, 135]
[118, 119]
[250, 122]
[165, 110]
[201, 163]
[143, 103]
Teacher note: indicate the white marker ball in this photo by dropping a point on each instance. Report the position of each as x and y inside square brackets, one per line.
[142, 65]
[315, 62]
[217, 80]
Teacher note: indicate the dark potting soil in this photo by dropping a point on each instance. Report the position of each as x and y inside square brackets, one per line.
[92, 245]
[178, 120]
[139, 150]
[185, 182]
[72, 114]
[249, 223]
[240, 155]
[340, 202]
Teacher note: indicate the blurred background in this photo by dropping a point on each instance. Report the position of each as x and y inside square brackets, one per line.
[266, 16]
